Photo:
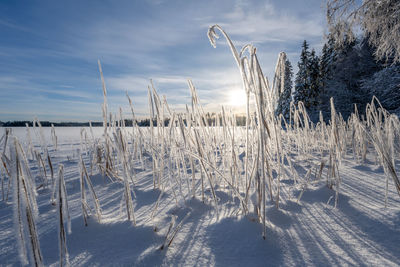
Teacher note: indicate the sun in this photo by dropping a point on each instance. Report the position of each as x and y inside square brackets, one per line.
[237, 98]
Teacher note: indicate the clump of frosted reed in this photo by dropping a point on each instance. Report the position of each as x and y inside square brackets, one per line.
[192, 156]
[63, 216]
[86, 182]
[25, 207]
[384, 128]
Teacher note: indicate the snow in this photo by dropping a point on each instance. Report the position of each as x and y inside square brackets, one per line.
[360, 231]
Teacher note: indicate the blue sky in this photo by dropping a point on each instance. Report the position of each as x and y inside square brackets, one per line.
[49, 52]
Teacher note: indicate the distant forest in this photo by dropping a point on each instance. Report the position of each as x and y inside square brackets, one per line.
[210, 119]
[145, 122]
[48, 124]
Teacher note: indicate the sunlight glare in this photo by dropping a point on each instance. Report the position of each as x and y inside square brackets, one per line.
[237, 98]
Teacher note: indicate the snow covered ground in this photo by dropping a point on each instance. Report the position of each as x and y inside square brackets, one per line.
[309, 232]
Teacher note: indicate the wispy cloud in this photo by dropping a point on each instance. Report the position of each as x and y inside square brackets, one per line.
[264, 23]
[49, 54]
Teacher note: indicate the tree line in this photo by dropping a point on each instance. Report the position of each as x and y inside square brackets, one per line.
[212, 119]
[350, 69]
[346, 71]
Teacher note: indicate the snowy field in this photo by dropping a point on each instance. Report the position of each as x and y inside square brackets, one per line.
[308, 231]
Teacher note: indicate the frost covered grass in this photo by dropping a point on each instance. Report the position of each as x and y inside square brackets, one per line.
[186, 176]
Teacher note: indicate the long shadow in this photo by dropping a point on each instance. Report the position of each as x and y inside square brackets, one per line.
[205, 241]
[238, 242]
[102, 244]
[148, 197]
[343, 226]
[188, 245]
[384, 234]
[8, 241]
[314, 245]
[279, 217]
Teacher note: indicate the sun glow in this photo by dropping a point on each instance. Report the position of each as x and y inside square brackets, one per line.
[237, 98]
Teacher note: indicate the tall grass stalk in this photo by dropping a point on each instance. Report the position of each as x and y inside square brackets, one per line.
[63, 215]
[25, 207]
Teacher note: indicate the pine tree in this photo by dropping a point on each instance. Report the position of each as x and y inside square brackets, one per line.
[327, 62]
[347, 66]
[302, 81]
[324, 65]
[385, 85]
[285, 97]
[313, 70]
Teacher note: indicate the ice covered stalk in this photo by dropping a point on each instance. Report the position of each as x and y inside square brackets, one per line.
[84, 206]
[383, 129]
[25, 208]
[153, 160]
[89, 184]
[7, 164]
[42, 139]
[160, 135]
[107, 153]
[30, 146]
[4, 159]
[42, 169]
[51, 168]
[2, 184]
[171, 234]
[335, 151]
[54, 137]
[253, 79]
[261, 147]
[122, 153]
[278, 83]
[63, 215]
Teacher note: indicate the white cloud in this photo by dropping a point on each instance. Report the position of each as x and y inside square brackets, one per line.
[265, 23]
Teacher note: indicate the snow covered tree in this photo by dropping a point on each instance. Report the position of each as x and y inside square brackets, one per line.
[353, 62]
[385, 85]
[313, 69]
[302, 81]
[285, 97]
[324, 64]
[380, 21]
[307, 79]
[326, 61]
